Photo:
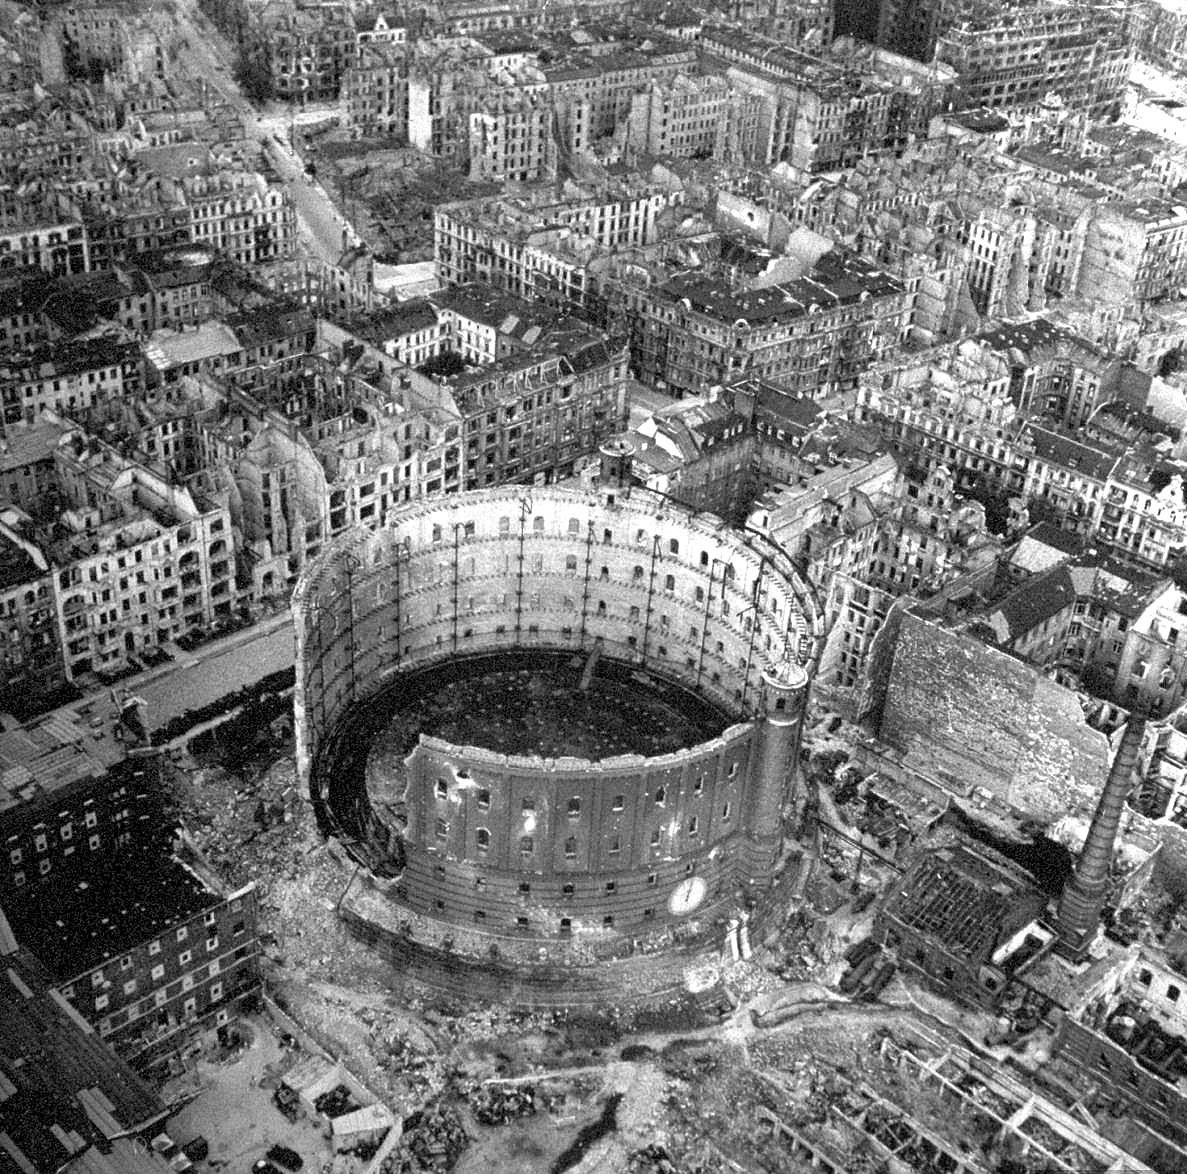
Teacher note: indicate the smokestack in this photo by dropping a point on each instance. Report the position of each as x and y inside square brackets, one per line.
[1084, 893]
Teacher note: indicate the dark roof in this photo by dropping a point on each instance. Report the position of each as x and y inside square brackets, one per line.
[1036, 600]
[508, 313]
[64, 358]
[1138, 419]
[584, 354]
[24, 290]
[269, 324]
[395, 321]
[836, 279]
[16, 565]
[1060, 449]
[79, 925]
[183, 265]
[1038, 334]
[795, 413]
[1051, 535]
[49, 1059]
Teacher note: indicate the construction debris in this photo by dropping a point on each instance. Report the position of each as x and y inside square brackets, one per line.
[433, 1140]
[497, 1104]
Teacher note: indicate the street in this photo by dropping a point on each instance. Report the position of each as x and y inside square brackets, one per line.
[193, 680]
[204, 54]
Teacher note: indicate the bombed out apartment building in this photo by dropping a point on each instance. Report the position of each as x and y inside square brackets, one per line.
[133, 929]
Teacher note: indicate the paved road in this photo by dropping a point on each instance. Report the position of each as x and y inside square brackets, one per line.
[204, 54]
[190, 682]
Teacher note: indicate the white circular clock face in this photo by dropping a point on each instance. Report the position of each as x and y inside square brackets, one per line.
[686, 896]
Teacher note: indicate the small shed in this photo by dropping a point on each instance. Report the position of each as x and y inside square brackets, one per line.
[366, 1125]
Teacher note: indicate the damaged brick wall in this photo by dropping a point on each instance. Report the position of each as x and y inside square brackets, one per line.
[967, 715]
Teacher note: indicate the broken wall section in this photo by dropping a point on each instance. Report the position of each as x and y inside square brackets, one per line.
[966, 716]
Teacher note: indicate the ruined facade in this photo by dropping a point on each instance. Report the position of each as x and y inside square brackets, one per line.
[576, 858]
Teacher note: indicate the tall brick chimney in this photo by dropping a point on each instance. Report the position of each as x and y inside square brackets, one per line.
[1084, 894]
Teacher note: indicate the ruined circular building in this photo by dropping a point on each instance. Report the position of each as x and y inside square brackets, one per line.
[558, 730]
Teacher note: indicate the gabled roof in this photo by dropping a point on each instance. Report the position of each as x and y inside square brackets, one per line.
[1036, 600]
[1042, 546]
[1058, 448]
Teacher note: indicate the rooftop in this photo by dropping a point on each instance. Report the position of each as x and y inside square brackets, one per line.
[52, 752]
[837, 279]
[29, 445]
[1037, 600]
[79, 925]
[17, 565]
[61, 1088]
[1059, 448]
[166, 349]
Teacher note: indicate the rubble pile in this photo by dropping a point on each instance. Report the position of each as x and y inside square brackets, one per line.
[498, 1104]
[336, 1103]
[400, 1057]
[747, 981]
[249, 831]
[703, 1108]
[655, 1159]
[433, 1140]
[796, 957]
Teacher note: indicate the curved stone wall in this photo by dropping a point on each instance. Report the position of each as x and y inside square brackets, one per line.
[626, 852]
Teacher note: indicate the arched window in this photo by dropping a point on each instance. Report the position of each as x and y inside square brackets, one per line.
[673, 546]
[570, 848]
[526, 845]
[482, 839]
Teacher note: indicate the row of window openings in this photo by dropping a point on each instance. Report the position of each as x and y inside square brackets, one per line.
[632, 642]
[566, 925]
[160, 998]
[154, 948]
[46, 864]
[538, 523]
[66, 831]
[528, 806]
[527, 844]
[525, 890]
[157, 975]
[158, 972]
